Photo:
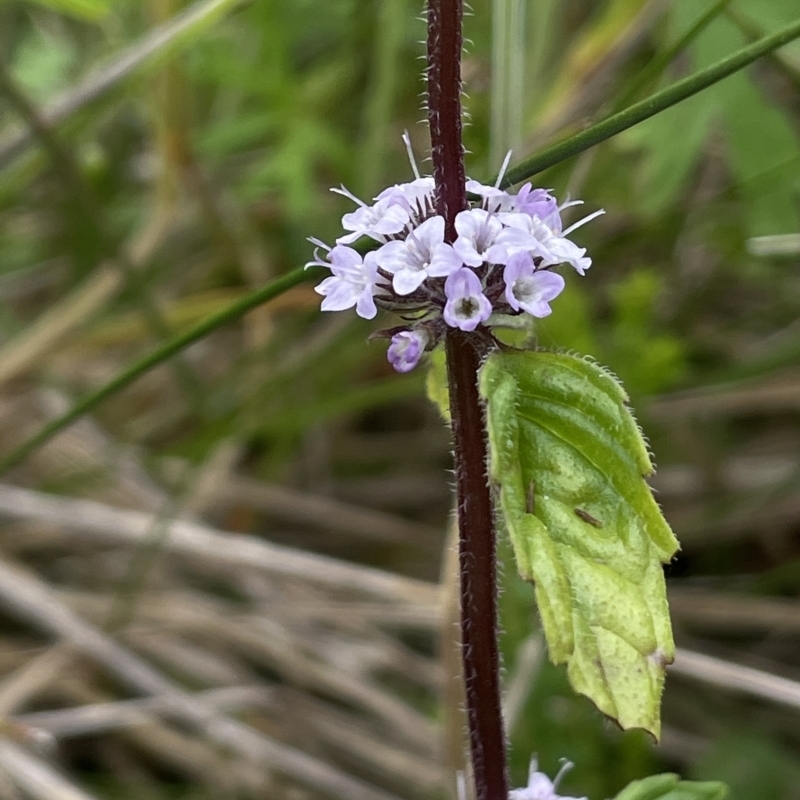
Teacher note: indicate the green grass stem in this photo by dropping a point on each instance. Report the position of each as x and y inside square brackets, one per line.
[660, 101]
[160, 355]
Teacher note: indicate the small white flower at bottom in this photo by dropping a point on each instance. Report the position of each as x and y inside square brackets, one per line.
[406, 349]
[467, 306]
[540, 787]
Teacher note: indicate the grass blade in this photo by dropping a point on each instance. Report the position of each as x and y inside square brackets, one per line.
[649, 107]
[182, 28]
[662, 61]
[158, 356]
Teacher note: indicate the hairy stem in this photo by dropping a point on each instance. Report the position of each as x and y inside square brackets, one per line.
[477, 556]
[477, 559]
[444, 108]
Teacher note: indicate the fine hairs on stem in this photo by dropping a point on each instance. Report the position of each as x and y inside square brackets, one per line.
[477, 556]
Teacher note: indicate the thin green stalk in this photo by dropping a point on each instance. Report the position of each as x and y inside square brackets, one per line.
[158, 356]
[88, 216]
[654, 104]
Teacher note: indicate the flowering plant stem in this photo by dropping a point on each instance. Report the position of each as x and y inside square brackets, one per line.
[477, 557]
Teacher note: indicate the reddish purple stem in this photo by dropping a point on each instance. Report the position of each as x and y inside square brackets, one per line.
[477, 554]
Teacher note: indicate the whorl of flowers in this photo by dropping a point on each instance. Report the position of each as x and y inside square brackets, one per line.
[499, 266]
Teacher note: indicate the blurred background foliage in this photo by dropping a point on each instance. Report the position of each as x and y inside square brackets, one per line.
[148, 180]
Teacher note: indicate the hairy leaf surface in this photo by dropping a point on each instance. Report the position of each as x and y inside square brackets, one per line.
[570, 464]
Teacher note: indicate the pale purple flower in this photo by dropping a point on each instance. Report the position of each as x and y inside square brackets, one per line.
[517, 237]
[416, 198]
[377, 221]
[494, 199]
[352, 282]
[421, 255]
[467, 306]
[505, 243]
[529, 289]
[539, 203]
[477, 236]
[540, 787]
[411, 196]
[563, 251]
[526, 233]
[406, 349]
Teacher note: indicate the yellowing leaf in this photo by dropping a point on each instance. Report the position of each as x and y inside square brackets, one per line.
[436, 383]
[671, 787]
[569, 462]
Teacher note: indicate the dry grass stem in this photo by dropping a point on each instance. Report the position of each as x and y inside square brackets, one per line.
[30, 600]
[89, 518]
[727, 675]
[35, 777]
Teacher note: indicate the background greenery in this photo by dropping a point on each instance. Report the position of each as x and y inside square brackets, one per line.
[142, 190]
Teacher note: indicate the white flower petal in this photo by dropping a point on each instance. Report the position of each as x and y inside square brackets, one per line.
[407, 281]
[467, 253]
[444, 260]
[430, 233]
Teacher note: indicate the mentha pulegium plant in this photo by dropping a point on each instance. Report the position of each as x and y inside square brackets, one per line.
[566, 463]
[499, 267]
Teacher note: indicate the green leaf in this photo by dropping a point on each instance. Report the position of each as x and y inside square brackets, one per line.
[569, 462]
[43, 63]
[674, 141]
[436, 383]
[763, 148]
[671, 787]
[83, 9]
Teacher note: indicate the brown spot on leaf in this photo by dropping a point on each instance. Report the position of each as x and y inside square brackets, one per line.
[587, 517]
[530, 500]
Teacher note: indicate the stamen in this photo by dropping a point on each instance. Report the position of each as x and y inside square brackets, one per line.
[490, 212]
[318, 243]
[566, 766]
[347, 193]
[583, 221]
[503, 170]
[414, 168]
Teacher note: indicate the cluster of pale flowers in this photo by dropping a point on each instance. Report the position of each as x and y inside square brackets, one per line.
[499, 265]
